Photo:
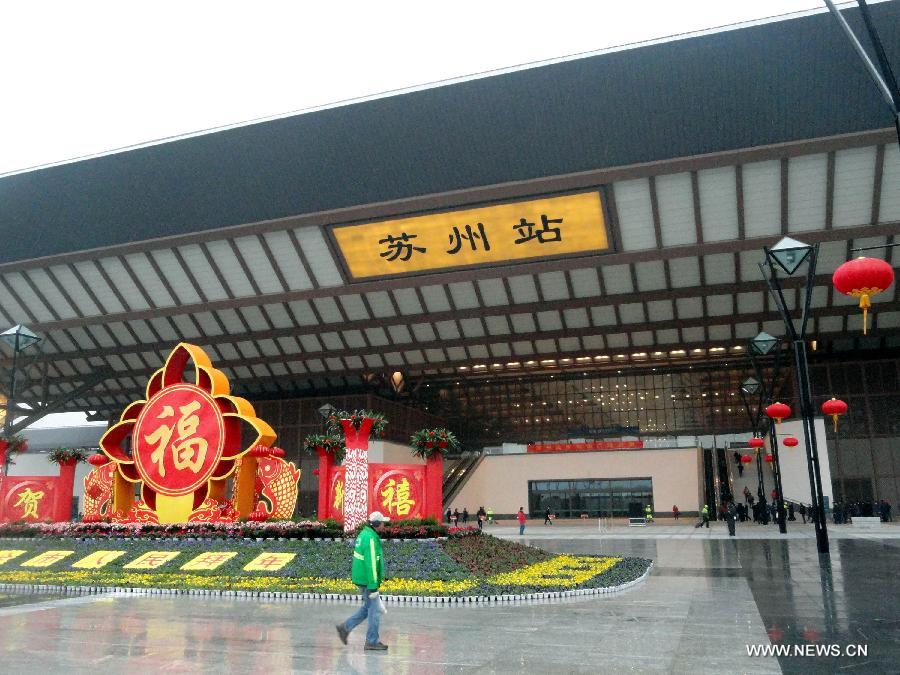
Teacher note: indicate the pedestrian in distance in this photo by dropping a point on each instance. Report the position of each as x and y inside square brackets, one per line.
[729, 518]
[367, 573]
[747, 496]
[465, 515]
[490, 515]
[675, 511]
[520, 516]
[704, 517]
[648, 514]
[456, 517]
[449, 515]
[548, 517]
[482, 515]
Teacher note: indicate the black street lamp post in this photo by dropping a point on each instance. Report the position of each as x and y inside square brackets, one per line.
[763, 345]
[19, 338]
[750, 387]
[788, 255]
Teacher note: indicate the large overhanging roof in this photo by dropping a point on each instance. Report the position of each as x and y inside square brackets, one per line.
[273, 304]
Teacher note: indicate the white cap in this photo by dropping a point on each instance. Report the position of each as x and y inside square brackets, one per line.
[377, 516]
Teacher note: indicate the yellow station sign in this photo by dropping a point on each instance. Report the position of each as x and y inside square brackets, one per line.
[498, 233]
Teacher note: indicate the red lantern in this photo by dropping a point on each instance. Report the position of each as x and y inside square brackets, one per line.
[834, 407]
[778, 411]
[277, 452]
[790, 442]
[98, 459]
[746, 459]
[862, 278]
[756, 443]
[769, 458]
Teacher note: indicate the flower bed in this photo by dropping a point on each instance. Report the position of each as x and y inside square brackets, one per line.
[284, 529]
[470, 565]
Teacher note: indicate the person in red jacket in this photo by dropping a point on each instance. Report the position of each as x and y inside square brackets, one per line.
[521, 516]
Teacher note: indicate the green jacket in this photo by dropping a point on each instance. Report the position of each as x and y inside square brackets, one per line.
[368, 562]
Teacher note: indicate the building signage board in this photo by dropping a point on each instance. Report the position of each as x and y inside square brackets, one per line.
[591, 446]
[492, 234]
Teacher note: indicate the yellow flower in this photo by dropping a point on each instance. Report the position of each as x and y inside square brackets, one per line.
[563, 570]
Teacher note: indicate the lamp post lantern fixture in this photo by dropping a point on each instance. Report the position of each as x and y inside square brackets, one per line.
[762, 345]
[19, 338]
[788, 255]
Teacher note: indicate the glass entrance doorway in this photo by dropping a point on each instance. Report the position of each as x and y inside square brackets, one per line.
[617, 497]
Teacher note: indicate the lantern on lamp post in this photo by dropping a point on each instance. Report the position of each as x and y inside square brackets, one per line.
[862, 278]
[834, 408]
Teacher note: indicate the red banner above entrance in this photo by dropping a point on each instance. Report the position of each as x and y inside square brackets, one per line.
[585, 447]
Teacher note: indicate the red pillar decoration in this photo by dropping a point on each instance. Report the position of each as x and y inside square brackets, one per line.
[434, 494]
[325, 463]
[356, 473]
[64, 489]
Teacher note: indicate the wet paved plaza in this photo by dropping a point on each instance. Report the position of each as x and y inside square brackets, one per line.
[706, 600]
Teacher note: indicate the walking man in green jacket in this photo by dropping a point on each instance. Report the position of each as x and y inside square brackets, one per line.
[367, 573]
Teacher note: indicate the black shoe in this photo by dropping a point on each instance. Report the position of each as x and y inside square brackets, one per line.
[376, 647]
[342, 632]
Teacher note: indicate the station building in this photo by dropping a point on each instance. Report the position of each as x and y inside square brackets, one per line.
[548, 258]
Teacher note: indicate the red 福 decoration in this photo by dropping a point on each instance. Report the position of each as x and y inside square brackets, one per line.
[835, 407]
[778, 411]
[756, 443]
[790, 442]
[862, 278]
[746, 459]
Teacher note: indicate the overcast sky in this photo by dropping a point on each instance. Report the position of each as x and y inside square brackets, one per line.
[86, 77]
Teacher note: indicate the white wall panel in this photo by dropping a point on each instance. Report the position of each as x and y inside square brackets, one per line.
[316, 252]
[228, 265]
[718, 268]
[149, 279]
[762, 198]
[472, 327]
[585, 283]
[463, 293]
[617, 279]
[684, 272]
[435, 298]
[651, 275]
[523, 289]
[718, 204]
[380, 302]
[126, 287]
[660, 310]
[576, 318]
[91, 275]
[261, 266]
[288, 261]
[407, 301]
[492, 292]
[889, 209]
[54, 296]
[203, 272]
[635, 214]
[676, 209]
[854, 180]
[807, 182]
[553, 286]
[328, 310]
[354, 307]
[631, 312]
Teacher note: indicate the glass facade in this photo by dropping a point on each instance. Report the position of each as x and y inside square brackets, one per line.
[596, 497]
[694, 400]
